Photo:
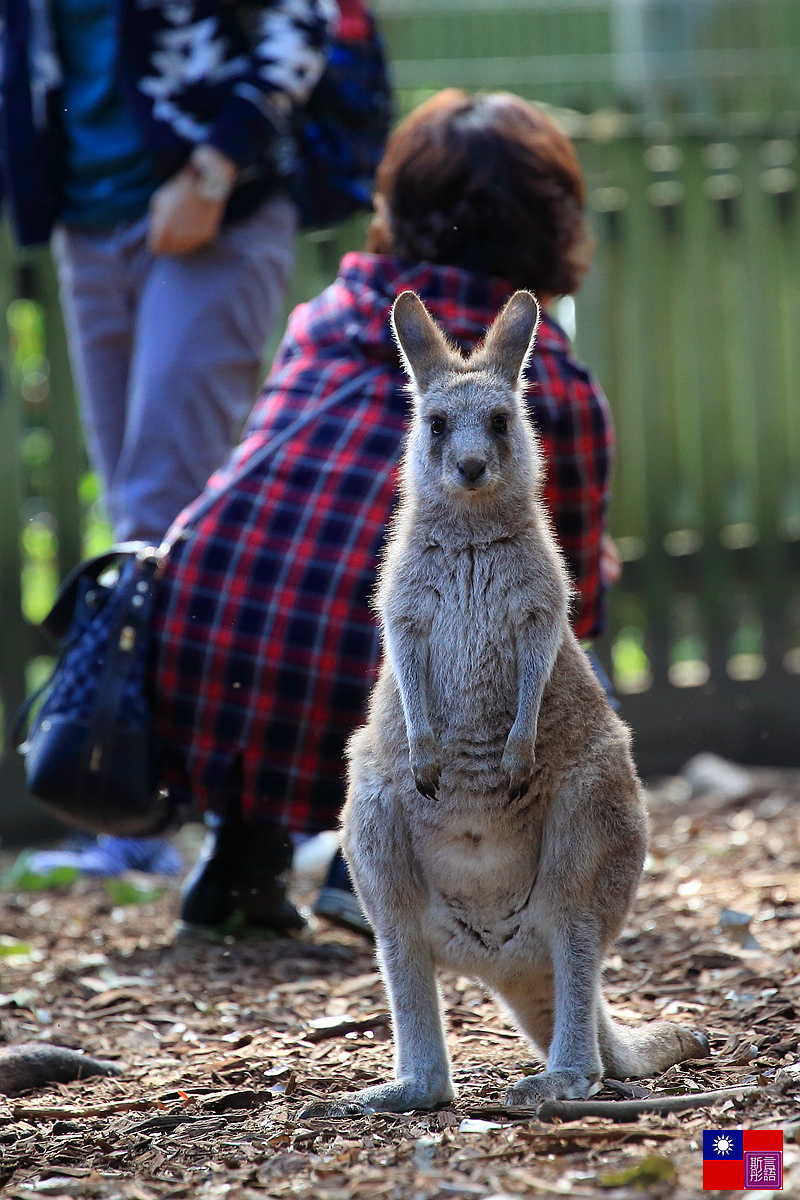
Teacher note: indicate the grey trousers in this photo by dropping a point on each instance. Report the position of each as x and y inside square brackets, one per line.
[166, 352]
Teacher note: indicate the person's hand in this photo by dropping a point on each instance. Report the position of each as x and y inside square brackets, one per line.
[610, 561]
[186, 211]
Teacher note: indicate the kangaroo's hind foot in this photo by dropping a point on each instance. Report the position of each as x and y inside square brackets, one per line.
[562, 1084]
[401, 1095]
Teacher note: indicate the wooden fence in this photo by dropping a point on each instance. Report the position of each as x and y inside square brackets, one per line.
[691, 317]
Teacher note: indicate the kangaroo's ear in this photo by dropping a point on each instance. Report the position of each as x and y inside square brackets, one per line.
[510, 339]
[425, 350]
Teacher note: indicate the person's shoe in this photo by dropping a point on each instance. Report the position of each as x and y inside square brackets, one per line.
[109, 855]
[242, 869]
[338, 902]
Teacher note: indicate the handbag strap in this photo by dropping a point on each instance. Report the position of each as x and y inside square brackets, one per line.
[207, 501]
[59, 619]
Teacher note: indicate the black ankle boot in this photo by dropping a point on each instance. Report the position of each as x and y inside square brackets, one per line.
[243, 868]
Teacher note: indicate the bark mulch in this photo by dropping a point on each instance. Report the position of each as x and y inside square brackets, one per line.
[224, 1041]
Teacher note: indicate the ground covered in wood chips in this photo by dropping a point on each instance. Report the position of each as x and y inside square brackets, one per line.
[222, 1052]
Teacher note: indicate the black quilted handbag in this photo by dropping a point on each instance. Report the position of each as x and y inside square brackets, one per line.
[90, 754]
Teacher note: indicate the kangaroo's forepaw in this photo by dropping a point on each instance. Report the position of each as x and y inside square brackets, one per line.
[426, 784]
[426, 766]
[563, 1084]
[517, 765]
[404, 1095]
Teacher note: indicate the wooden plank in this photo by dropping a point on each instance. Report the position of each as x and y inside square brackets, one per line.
[13, 635]
[69, 458]
[645, 290]
[20, 817]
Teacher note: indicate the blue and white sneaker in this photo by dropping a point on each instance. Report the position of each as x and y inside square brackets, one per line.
[337, 901]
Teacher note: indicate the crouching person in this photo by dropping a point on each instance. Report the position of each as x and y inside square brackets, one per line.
[265, 646]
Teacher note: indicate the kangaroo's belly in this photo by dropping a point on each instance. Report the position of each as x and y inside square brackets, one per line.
[481, 877]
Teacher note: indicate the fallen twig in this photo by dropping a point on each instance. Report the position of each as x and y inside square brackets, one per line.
[627, 1110]
[24, 1113]
[331, 1027]
[566, 1132]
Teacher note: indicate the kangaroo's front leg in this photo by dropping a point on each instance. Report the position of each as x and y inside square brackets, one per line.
[573, 1062]
[538, 640]
[422, 1066]
[407, 646]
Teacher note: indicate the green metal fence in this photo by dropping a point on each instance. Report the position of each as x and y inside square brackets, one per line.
[653, 56]
[690, 315]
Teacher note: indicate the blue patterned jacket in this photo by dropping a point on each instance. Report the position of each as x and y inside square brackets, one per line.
[220, 71]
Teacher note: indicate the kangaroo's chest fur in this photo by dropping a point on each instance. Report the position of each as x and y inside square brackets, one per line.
[472, 665]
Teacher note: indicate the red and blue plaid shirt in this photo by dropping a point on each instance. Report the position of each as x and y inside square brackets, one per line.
[265, 645]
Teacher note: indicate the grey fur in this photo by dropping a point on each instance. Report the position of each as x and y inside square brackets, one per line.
[494, 822]
[37, 1064]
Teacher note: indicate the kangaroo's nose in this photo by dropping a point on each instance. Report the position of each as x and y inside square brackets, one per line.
[472, 468]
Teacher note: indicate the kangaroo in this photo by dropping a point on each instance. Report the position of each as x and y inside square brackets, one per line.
[494, 823]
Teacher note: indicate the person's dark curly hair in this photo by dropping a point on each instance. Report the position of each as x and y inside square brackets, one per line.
[485, 182]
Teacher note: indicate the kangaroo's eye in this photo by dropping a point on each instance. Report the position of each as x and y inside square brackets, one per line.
[438, 425]
[499, 423]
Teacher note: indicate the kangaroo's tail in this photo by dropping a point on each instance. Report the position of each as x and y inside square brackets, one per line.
[635, 1051]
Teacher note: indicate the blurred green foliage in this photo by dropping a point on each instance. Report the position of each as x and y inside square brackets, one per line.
[22, 878]
[124, 892]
